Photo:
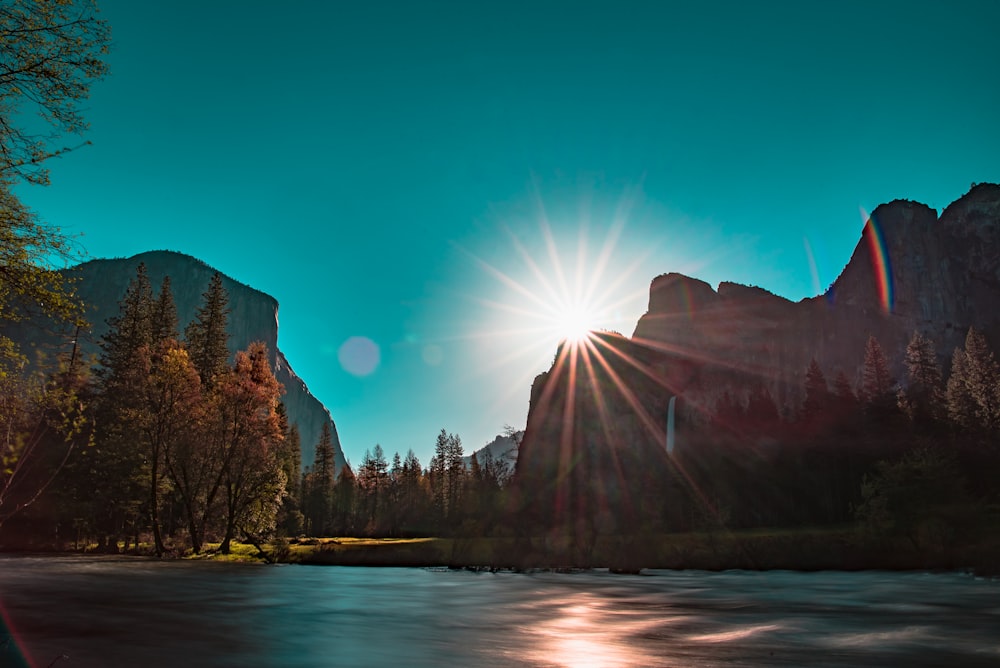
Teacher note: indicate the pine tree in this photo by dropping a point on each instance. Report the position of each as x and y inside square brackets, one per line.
[345, 492]
[438, 476]
[982, 379]
[319, 510]
[290, 455]
[121, 486]
[961, 407]
[206, 336]
[876, 381]
[973, 391]
[163, 319]
[922, 399]
[129, 331]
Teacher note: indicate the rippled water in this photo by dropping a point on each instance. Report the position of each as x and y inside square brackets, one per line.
[118, 612]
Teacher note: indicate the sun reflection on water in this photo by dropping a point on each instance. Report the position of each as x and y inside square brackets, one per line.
[585, 633]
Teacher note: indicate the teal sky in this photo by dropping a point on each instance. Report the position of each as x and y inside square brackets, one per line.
[368, 163]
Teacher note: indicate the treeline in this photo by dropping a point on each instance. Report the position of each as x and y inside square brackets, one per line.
[916, 458]
[400, 498]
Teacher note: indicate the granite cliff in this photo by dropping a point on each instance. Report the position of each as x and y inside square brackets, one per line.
[253, 317]
[604, 423]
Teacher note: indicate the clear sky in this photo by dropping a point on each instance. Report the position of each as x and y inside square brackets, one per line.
[420, 174]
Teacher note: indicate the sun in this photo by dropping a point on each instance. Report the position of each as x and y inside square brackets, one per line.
[574, 324]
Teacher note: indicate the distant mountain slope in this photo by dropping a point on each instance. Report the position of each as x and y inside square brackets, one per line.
[253, 317]
[502, 448]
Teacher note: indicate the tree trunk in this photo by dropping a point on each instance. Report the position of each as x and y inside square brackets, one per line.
[154, 505]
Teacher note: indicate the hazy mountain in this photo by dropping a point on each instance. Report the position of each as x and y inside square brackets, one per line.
[912, 270]
[501, 448]
[253, 317]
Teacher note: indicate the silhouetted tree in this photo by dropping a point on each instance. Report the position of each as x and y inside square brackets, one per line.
[922, 399]
[206, 335]
[319, 501]
[877, 386]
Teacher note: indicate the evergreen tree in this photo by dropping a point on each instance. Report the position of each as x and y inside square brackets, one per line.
[922, 399]
[413, 500]
[163, 319]
[438, 476]
[206, 335]
[129, 331]
[455, 472]
[982, 379]
[961, 407]
[121, 481]
[290, 518]
[345, 493]
[973, 391]
[319, 509]
[876, 381]
[372, 480]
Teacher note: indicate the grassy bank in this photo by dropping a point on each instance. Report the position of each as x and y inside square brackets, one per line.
[804, 549]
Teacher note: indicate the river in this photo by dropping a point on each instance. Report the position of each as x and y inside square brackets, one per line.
[68, 612]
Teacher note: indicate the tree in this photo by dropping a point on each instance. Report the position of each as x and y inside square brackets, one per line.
[206, 336]
[920, 497]
[30, 283]
[41, 427]
[973, 391]
[121, 467]
[922, 399]
[52, 53]
[252, 481]
[163, 316]
[373, 478]
[319, 501]
[171, 405]
[290, 518]
[344, 495]
[876, 381]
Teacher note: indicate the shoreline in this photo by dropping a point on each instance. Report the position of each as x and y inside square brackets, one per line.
[757, 551]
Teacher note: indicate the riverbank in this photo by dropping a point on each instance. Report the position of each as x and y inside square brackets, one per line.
[840, 548]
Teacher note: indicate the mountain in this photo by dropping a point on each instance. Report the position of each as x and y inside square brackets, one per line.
[502, 448]
[253, 317]
[594, 444]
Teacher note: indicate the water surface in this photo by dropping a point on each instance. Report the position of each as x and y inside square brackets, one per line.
[123, 612]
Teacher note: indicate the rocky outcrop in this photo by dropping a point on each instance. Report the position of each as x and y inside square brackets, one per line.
[911, 271]
[594, 424]
[253, 317]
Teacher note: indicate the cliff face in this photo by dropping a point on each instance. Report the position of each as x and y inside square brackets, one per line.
[253, 317]
[911, 271]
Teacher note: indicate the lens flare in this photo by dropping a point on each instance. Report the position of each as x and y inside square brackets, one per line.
[880, 260]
